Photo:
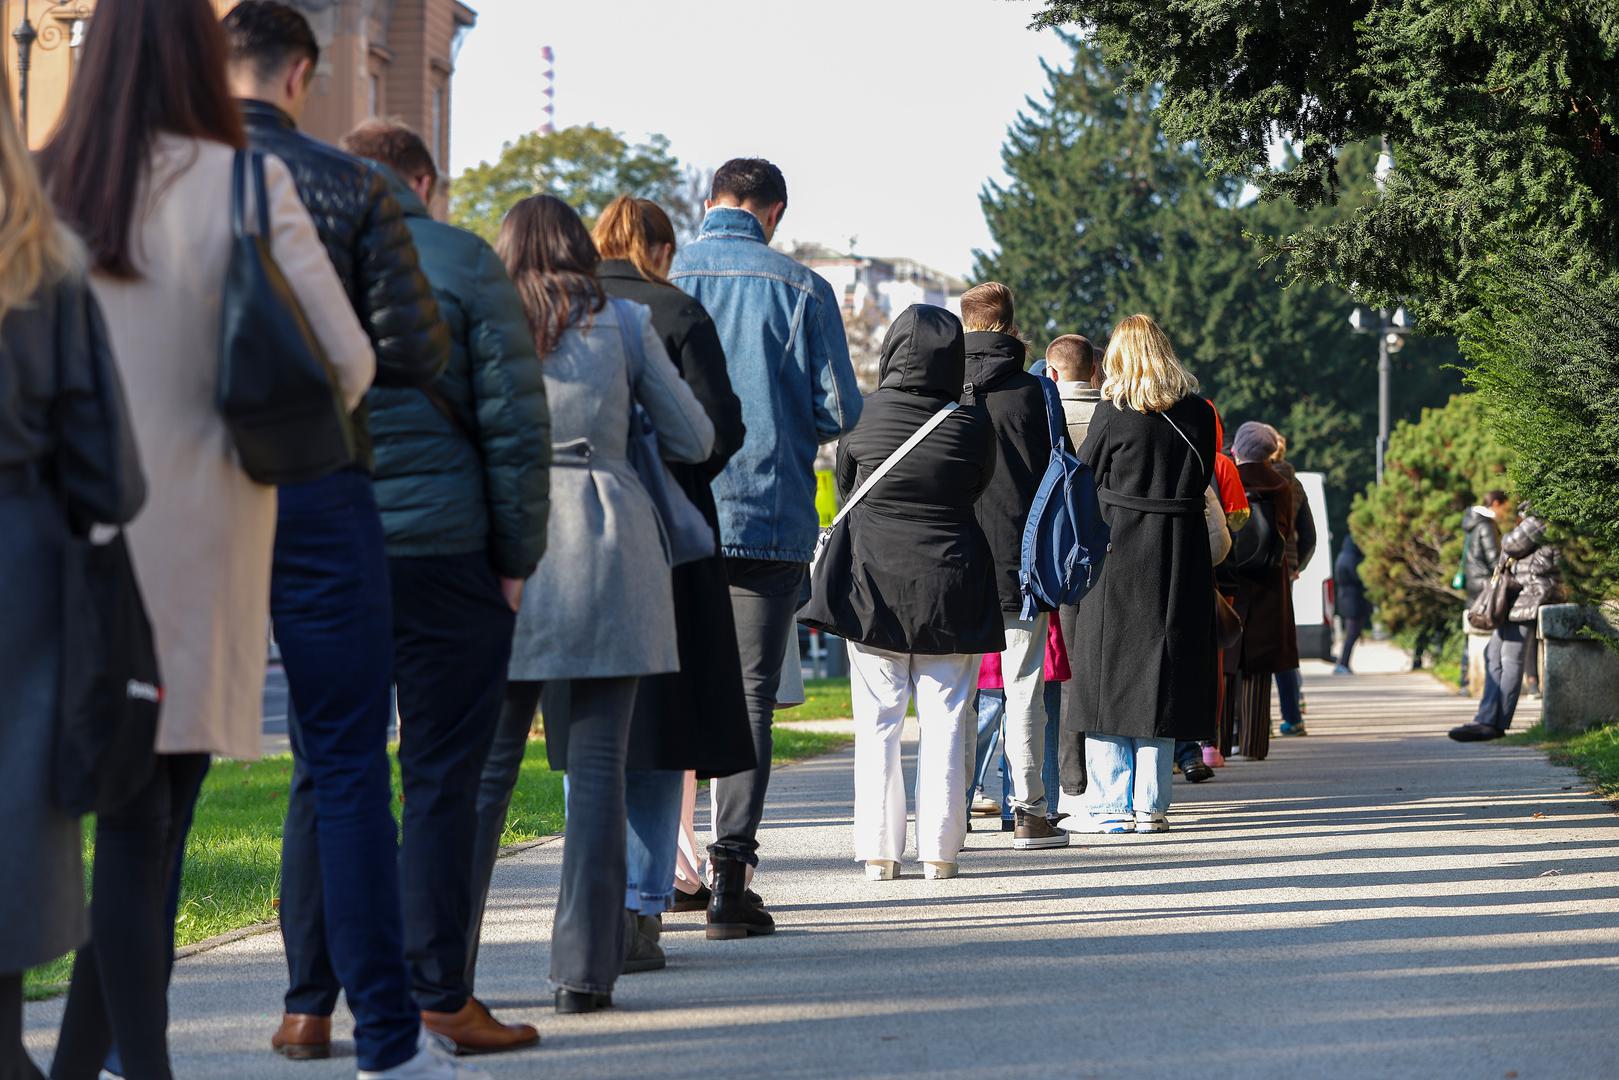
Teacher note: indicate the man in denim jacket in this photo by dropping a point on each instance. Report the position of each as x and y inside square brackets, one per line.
[789, 363]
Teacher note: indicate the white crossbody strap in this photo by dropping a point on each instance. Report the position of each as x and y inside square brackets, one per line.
[1200, 464]
[894, 459]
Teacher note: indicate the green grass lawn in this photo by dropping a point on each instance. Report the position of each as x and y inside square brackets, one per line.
[233, 856]
[1594, 753]
[825, 699]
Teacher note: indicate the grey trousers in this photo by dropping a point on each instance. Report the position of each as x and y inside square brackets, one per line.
[587, 936]
[1503, 675]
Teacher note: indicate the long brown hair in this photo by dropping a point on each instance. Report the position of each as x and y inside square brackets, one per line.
[629, 229]
[552, 261]
[149, 66]
[35, 248]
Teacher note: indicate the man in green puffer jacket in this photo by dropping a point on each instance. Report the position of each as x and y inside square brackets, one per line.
[462, 477]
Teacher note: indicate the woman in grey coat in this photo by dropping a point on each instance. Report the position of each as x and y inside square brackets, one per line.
[66, 454]
[599, 612]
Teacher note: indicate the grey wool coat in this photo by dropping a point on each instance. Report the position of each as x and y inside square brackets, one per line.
[65, 447]
[601, 604]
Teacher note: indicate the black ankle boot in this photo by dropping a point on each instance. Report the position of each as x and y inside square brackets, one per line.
[582, 1001]
[734, 912]
[642, 952]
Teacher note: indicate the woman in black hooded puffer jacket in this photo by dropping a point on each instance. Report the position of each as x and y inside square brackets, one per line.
[918, 602]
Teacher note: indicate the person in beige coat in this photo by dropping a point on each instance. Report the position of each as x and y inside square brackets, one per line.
[145, 178]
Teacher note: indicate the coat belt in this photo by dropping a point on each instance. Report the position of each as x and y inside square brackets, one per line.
[1173, 507]
[574, 454]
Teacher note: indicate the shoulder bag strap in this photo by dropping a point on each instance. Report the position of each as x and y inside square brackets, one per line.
[894, 459]
[1200, 464]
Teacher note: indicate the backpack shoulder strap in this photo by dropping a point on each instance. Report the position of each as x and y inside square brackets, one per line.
[895, 458]
[1055, 419]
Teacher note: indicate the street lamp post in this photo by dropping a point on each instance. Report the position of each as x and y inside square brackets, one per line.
[1391, 329]
[25, 35]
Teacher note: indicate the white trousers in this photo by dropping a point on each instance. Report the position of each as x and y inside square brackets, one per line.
[1023, 670]
[882, 685]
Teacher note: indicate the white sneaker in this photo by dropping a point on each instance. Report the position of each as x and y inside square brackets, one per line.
[1152, 822]
[431, 1062]
[881, 869]
[939, 871]
[984, 806]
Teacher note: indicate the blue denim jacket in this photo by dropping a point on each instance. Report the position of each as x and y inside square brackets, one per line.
[789, 363]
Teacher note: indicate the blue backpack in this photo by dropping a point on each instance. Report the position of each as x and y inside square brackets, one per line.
[1065, 540]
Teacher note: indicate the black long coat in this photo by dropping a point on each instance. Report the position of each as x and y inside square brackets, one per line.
[694, 718]
[922, 578]
[1270, 640]
[1144, 652]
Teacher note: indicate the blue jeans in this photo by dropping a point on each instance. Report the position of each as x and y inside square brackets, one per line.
[1128, 776]
[991, 711]
[652, 804]
[1289, 691]
[330, 601]
[1187, 752]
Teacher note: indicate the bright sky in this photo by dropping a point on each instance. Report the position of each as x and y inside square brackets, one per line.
[886, 116]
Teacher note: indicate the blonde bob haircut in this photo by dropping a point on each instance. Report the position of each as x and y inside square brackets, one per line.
[1142, 371]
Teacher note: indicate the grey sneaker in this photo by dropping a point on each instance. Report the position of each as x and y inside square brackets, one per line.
[1033, 832]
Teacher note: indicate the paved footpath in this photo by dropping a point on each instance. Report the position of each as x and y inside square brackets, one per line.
[1373, 901]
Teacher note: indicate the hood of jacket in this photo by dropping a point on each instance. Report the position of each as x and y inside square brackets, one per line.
[924, 353]
[1477, 517]
[992, 356]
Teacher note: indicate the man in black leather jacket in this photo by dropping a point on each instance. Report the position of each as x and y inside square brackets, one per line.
[330, 597]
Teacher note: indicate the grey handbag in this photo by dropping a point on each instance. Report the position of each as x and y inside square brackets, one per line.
[686, 535]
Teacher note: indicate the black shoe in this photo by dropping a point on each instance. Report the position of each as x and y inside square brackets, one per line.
[1475, 732]
[582, 1001]
[1033, 832]
[641, 949]
[735, 910]
[1008, 825]
[1055, 820]
[693, 901]
[1196, 772]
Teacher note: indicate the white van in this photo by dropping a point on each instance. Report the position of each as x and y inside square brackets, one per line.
[1312, 592]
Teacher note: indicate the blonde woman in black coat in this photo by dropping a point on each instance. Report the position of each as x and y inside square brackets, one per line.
[918, 600]
[1144, 652]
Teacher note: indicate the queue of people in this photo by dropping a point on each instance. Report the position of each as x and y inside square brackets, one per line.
[578, 486]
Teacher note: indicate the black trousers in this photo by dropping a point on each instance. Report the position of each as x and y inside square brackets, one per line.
[452, 639]
[120, 979]
[764, 599]
[15, 1064]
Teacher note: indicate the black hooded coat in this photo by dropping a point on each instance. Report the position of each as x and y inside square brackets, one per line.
[922, 578]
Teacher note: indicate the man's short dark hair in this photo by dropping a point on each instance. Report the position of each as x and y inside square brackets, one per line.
[270, 36]
[392, 144]
[1072, 357]
[750, 181]
[1495, 497]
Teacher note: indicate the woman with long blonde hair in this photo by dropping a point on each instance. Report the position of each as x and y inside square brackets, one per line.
[67, 459]
[1144, 651]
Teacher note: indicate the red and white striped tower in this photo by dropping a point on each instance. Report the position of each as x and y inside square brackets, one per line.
[549, 89]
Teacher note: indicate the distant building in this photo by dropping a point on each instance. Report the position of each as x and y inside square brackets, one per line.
[391, 58]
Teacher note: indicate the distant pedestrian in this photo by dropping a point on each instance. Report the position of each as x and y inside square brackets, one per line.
[67, 460]
[599, 613]
[141, 167]
[1350, 600]
[462, 478]
[1536, 581]
[1016, 405]
[1264, 591]
[917, 598]
[1144, 665]
[694, 719]
[781, 327]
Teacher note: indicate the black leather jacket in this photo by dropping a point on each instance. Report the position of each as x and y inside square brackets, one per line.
[364, 231]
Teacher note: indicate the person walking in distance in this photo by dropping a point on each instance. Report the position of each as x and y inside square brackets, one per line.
[462, 476]
[781, 327]
[1144, 666]
[693, 721]
[141, 165]
[1350, 600]
[329, 594]
[1017, 412]
[67, 461]
[916, 597]
[599, 612]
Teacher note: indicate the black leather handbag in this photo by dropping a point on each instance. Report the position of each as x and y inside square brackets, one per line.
[277, 391]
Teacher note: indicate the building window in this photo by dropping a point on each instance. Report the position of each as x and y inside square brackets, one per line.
[439, 149]
[376, 94]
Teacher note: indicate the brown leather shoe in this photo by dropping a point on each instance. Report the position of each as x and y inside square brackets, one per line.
[303, 1037]
[475, 1031]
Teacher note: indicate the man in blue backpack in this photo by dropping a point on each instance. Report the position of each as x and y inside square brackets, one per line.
[1016, 405]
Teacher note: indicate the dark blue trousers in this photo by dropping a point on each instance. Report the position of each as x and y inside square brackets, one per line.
[339, 857]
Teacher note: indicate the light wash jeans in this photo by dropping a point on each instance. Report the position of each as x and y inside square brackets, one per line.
[1128, 776]
[652, 801]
